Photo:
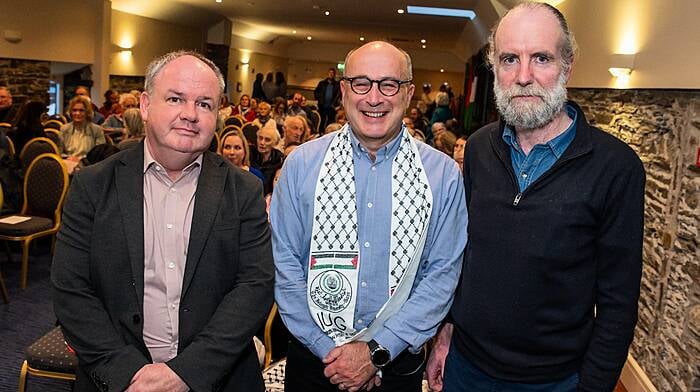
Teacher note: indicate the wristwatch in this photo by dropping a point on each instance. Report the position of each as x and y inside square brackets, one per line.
[379, 355]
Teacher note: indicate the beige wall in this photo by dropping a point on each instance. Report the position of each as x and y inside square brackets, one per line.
[665, 35]
[245, 74]
[148, 39]
[66, 30]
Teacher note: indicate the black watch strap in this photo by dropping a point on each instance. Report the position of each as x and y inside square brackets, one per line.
[379, 355]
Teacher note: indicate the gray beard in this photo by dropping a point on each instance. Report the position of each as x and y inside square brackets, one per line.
[529, 115]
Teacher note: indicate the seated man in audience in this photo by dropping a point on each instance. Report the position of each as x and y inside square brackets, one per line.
[7, 110]
[419, 121]
[297, 107]
[295, 130]
[163, 266]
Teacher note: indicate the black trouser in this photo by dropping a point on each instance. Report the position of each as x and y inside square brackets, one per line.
[327, 117]
[304, 372]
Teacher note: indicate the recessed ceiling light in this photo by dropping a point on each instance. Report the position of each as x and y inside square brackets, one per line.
[327, 13]
[422, 41]
[442, 70]
[400, 11]
[219, 1]
[423, 46]
[294, 31]
[460, 13]
[308, 37]
[362, 38]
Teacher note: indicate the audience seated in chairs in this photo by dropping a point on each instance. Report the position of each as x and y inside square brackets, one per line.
[114, 124]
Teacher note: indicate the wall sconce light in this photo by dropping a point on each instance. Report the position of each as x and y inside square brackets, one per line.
[621, 65]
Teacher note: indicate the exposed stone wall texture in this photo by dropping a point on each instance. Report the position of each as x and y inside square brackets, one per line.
[663, 127]
[26, 79]
[124, 84]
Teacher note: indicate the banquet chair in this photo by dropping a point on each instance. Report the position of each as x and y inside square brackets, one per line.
[34, 148]
[233, 120]
[45, 186]
[49, 357]
[215, 145]
[53, 123]
[53, 134]
[250, 131]
[11, 147]
[314, 120]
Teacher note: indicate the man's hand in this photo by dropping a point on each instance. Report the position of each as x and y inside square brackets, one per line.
[435, 368]
[349, 366]
[157, 377]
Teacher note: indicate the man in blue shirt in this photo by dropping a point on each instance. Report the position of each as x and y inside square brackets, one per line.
[369, 229]
[548, 294]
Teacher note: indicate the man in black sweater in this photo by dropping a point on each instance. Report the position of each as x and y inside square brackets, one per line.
[548, 295]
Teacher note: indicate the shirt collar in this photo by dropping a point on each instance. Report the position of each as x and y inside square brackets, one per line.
[557, 145]
[148, 160]
[387, 150]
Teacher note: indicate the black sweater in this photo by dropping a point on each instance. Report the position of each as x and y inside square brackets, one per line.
[539, 262]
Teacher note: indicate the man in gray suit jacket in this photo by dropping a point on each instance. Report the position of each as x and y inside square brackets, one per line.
[163, 265]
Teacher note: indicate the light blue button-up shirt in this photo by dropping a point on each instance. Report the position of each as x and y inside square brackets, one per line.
[291, 214]
[530, 167]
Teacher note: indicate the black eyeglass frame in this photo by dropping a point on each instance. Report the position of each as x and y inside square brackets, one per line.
[378, 82]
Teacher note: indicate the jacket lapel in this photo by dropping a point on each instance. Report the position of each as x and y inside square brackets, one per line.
[210, 189]
[129, 180]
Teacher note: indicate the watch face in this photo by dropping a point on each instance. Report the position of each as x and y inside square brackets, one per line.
[380, 357]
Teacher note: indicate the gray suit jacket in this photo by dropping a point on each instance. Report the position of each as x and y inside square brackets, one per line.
[97, 276]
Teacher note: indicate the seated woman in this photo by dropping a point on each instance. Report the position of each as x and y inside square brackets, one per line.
[114, 124]
[80, 135]
[133, 129]
[266, 157]
[264, 117]
[244, 108]
[235, 149]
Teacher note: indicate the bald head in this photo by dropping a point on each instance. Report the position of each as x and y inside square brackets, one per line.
[406, 68]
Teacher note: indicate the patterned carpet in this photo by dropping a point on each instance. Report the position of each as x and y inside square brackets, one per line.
[28, 316]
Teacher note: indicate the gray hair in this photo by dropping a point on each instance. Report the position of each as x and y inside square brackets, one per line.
[123, 97]
[407, 57]
[158, 64]
[134, 122]
[568, 49]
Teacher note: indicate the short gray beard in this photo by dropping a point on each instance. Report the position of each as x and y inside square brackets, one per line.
[530, 116]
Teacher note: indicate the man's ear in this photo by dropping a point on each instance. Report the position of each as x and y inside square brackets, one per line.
[144, 104]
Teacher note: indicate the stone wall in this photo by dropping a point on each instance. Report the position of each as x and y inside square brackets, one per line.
[26, 79]
[124, 84]
[663, 127]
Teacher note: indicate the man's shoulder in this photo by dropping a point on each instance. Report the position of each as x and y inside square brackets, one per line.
[483, 134]
[609, 148]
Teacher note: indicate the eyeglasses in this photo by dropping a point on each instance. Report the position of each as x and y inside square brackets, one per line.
[388, 87]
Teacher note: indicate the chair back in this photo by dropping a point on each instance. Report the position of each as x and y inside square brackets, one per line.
[215, 144]
[53, 134]
[233, 120]
[45, 186]
[53, 123]
[34, 148]
[10, 147]
[250, 131]
[315, 120]
[229, 128]
[59, 117]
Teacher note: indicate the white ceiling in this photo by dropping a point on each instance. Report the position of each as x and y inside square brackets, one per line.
[274, 20]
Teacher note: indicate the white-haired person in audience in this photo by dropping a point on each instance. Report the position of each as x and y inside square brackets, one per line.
[80, 135]
[264, 116]
[265, 157]
[133, 129]
[234, 147]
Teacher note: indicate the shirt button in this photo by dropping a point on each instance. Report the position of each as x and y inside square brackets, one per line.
[524, 175]
[171, 265]
[363, 284]
[374, 168]
[169, 226]
[172, 190]
[172, 306]
[369, 205]
[366, 244]
[157, 168]
[359, 321]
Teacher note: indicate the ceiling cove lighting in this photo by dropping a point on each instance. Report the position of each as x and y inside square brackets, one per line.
[458, 13]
